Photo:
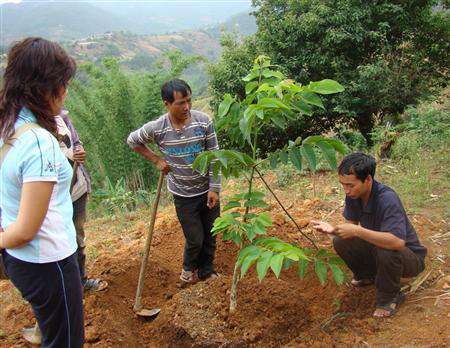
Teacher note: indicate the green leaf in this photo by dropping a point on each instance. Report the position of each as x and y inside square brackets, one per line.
[259, 228]
[287, 263]
[249, 216]
[256, 203]
[312, 98]
[263, 264]
[276, 263]
[296, 158]
[338, 146]
[221, 156]
[240, 156]
[245, 125]
[279, 91]
[260, 113]
[244, 252]
[284, 157]
[313, 139]
[302, 266]
[278, 120]
[272, 73]
[249, 87]
[321, 271]
[329, 152]
[255, 195]
[273, 159]
[248, 261]
[304, 107]
[264, 88]
[201, 162]
[216, 169]
[308, 152]
[224, 106]
[236, 238]
[292, 255]
[326, 87]
[253, 75]
[272, 103]
[265, 219]
[336, 260]
[249, 231]
[338, 274]
[231, 205]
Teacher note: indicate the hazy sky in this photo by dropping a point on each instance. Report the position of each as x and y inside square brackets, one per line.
[116, 1]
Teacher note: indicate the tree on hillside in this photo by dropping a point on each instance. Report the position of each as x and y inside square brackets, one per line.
[386, 53]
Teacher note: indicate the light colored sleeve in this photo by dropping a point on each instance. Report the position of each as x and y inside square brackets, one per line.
[143, 136]
[38, 157]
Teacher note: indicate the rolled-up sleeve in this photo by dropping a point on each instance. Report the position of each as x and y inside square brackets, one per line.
[142, 136]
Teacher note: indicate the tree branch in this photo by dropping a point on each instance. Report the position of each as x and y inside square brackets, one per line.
[282, 207]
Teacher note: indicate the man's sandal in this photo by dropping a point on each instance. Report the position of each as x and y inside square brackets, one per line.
[32, 335]
[188, 277]
[359, 283]
[213, 275]
[93, 284]
[391, 307]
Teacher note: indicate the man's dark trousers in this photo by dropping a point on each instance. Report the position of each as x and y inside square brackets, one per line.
[197, 220]
[385, 266]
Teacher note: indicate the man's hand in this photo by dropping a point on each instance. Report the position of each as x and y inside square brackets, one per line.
[79, 155]
[163, 166]
[213, 199]
[347, 231]
[323, 227]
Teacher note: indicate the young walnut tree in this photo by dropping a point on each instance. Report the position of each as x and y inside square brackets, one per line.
[271, 100]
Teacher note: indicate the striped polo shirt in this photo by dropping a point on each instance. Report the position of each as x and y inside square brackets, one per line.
[180, 148]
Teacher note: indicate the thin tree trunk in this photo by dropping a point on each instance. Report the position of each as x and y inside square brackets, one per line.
[233, 293]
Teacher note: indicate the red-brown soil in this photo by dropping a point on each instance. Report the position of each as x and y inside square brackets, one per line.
[276, 312]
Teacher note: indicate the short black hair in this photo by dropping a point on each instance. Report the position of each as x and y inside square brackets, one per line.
[359, 164]
[175, 85]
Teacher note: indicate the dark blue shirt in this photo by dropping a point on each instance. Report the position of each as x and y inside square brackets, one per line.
[384, 212]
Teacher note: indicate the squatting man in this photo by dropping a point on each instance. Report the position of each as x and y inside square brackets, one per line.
[377, 241]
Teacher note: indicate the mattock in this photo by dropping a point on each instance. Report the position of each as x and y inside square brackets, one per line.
[144, 312]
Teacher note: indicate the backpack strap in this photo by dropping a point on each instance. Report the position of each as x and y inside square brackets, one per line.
[10, 141]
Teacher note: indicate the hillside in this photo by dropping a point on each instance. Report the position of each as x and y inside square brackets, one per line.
[141, 51]
[64, 20]
[56, 20]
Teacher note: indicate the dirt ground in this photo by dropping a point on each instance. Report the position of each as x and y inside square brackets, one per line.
[287, 312]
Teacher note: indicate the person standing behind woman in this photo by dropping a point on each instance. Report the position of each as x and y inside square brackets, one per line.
[73, 149]
[38, 242]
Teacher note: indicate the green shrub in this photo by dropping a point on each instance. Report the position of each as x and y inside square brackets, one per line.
[386, 54]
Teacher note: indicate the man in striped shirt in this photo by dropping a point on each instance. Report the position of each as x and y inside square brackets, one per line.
[181, 134]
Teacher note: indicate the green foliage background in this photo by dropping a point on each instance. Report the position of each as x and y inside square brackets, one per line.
[387, 54]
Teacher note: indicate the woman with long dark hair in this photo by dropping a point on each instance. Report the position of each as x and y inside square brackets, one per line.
[38, 240]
